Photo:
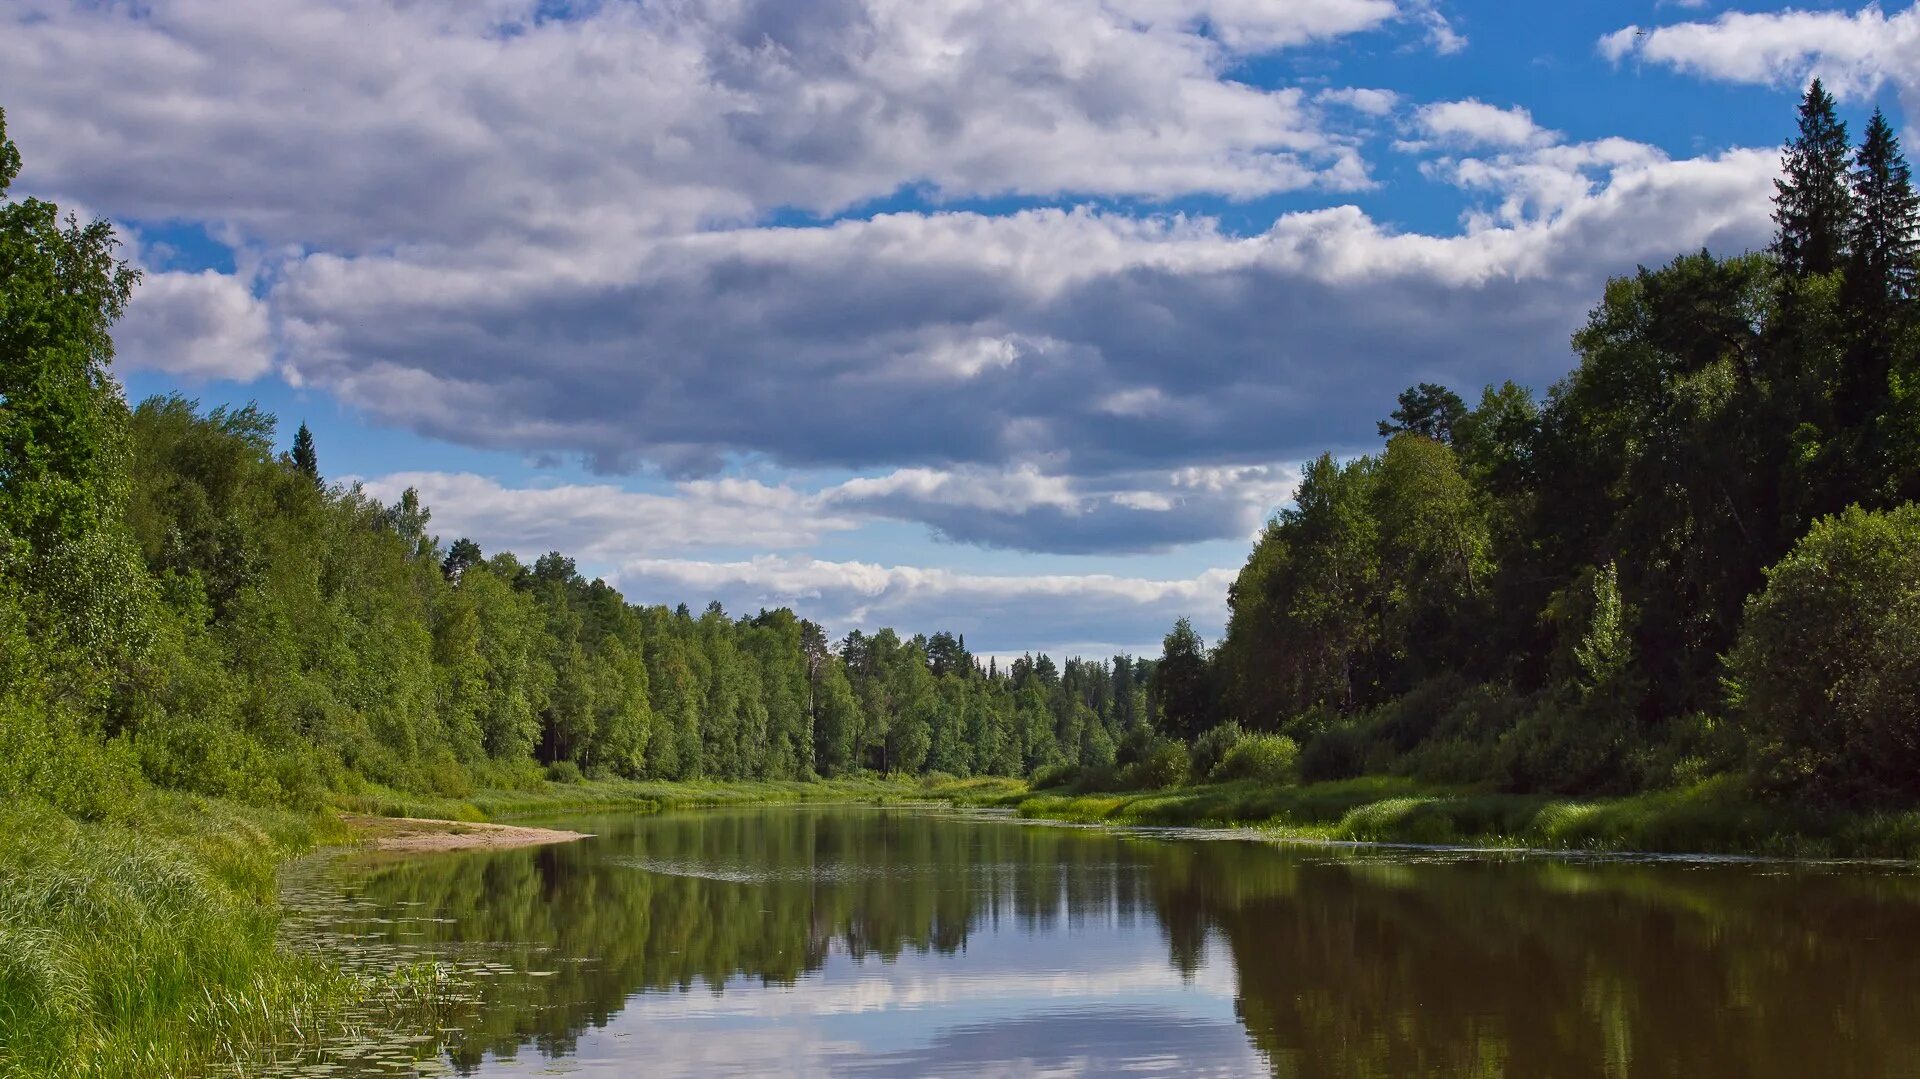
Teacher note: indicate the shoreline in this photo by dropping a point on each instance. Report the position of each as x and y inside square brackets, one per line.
[424, 835]
[1713, 819]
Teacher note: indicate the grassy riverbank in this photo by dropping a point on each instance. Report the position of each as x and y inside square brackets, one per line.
[144, 944]
[655, 796]
[1715, 817]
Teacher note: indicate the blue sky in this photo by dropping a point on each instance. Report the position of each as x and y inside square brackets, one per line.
[1010, 317]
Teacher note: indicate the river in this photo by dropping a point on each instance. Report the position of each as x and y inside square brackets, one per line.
[874, 941]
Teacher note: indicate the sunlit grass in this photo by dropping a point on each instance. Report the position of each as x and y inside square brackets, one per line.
[1713, 817]
[145, 945]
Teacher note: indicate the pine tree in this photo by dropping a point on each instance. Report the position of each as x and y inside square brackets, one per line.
[1812, 205]
[304, 457]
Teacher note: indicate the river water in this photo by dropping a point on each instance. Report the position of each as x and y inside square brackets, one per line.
[871, 941]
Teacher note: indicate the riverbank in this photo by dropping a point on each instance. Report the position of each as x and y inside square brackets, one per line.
[413, 835]
[144, 943]
[1714, 817]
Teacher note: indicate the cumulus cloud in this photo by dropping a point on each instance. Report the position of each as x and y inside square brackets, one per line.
[448, 122]
[1090, 614]
[1370, 102]
[1854, 52]
[204, 325]
[1099, 342]
[606, 524]
[1475, 123]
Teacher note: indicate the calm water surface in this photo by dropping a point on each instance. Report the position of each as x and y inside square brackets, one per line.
[873, 941]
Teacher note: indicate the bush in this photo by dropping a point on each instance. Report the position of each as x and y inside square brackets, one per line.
[1268, 758]
[563, 772]
[1211, 748]
[1097, 777]
[1052, 776]
[1825, 677]
[1339, 752]
[1165, 765]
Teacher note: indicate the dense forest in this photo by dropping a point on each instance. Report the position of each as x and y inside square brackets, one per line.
[182, 604]
[1695, 556]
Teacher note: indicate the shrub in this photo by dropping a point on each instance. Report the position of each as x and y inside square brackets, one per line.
[563, 772]
[1339, 752]
[1051, 776]
[1165, 765]
[1211, 748]
[1825, 676]
[1097, 777]
[1268, 758]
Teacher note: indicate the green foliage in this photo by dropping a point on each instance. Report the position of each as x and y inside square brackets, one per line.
[1428, 410]
[1263, 758]
[1054, 776]
[1537, 595]
[1211, 748]
[1826, 675]
[1165, 765]
[1182, 687]
[146, 946]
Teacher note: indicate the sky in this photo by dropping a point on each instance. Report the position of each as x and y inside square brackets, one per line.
[1013, 318]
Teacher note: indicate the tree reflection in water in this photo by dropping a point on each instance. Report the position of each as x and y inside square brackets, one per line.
[994, 944]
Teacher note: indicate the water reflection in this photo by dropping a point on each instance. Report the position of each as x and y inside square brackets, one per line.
[869, 941]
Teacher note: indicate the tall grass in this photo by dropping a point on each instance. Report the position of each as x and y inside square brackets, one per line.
[145, 945]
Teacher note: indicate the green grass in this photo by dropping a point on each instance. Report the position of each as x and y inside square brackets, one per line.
[654, 796]
[1714, 817]
[144, 945]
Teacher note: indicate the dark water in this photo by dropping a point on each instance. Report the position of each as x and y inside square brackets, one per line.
[878, 942]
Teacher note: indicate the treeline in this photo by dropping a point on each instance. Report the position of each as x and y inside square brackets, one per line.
[1574, 593]
[182, 604]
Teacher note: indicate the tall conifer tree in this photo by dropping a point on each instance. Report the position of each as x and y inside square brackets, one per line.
[1812, 205]
[1884, 235]
[304, 457]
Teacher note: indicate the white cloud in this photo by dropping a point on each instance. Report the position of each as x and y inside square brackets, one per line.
[1020, 507]
[1854, 52]
[1542, 183]
[1441, 36]
[1369, 102]
[1475, 123]
[602, 523]
[1072, 614]
[363, 124]
[197, 325]
[1167, 341]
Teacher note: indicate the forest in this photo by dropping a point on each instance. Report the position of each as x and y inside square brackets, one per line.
[1695, 556]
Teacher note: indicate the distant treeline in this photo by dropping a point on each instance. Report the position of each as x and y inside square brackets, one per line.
[1695, 556]
[182, 605]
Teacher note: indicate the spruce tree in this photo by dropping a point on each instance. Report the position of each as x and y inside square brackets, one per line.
[1885, 232]
[1812, 205]
[304, 457]
[1877, 296]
